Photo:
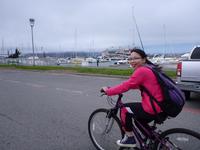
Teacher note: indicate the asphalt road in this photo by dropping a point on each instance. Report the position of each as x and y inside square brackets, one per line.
[50, 111]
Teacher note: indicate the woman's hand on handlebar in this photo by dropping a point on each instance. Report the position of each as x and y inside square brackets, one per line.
[103, 89]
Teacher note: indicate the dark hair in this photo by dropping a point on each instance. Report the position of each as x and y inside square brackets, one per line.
[144, 56]
[140, 52]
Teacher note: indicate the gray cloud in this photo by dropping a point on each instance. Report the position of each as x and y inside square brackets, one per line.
[99, 23]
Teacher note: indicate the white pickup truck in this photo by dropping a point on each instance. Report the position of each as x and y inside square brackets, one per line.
[188, 73]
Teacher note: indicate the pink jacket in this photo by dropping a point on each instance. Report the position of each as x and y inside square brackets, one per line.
[141, 76]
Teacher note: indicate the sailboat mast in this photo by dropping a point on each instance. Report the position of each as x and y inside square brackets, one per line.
[138, 32]
[165, 43]
[75, 44]
[2, 47]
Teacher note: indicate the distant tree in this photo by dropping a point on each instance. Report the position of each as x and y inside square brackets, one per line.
[15, 55]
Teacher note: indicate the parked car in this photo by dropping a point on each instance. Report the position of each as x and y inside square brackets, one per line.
[188, 73]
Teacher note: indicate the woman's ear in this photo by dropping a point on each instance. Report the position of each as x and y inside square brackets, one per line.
[144, 60]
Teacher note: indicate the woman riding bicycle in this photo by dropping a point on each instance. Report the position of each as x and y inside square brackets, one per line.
[143, 110]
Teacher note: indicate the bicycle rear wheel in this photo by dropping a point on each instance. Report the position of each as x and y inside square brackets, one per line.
[104, 131]
[179, 139]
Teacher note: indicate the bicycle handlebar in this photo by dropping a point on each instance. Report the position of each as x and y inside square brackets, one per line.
[120, 96]
[104, 93]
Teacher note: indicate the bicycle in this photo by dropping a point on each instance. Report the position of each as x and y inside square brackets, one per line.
[105, 129]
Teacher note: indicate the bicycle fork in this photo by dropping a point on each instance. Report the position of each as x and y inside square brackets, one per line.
[109, 121]
[109, 124]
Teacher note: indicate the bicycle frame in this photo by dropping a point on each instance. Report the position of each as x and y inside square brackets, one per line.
[150, 133]
[147, 135]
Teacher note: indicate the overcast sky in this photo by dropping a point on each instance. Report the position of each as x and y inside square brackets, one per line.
[99, 24]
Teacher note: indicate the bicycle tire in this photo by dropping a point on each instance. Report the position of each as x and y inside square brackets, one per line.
[179, 139]
[98, 131]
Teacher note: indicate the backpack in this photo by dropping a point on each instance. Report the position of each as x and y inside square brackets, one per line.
[174, 99]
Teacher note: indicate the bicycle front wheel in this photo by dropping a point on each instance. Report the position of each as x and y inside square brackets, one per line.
[104, 131]
[179, 139]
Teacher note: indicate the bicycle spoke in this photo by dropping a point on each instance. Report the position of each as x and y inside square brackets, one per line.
[104, 132]
[183, 141]
[179, 139]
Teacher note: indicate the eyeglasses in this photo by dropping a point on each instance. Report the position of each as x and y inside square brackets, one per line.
[134, 58]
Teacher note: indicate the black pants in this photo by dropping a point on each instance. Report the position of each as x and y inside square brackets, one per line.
[134, 110]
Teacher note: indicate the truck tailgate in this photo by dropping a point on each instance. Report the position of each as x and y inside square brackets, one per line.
[190, 71]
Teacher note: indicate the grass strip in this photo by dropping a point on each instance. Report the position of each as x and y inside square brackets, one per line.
[78, 69]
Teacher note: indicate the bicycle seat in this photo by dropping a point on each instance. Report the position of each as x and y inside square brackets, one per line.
[160, 118]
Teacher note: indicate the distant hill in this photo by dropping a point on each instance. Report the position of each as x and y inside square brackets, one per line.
[65, 54]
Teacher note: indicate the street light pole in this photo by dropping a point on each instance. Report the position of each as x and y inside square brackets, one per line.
[32, 21]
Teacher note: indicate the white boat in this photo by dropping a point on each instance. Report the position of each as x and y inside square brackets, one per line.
[90, 60]
[77, 60]
[163, 60]
[84, 63]
[185, 56]
[31, 58]
[122, 61]
[62, 61]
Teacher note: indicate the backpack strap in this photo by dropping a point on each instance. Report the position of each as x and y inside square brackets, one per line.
[155, 71]
[152, 98]
[159, 118]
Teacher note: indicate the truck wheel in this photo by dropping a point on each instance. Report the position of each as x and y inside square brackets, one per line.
[187, 94]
